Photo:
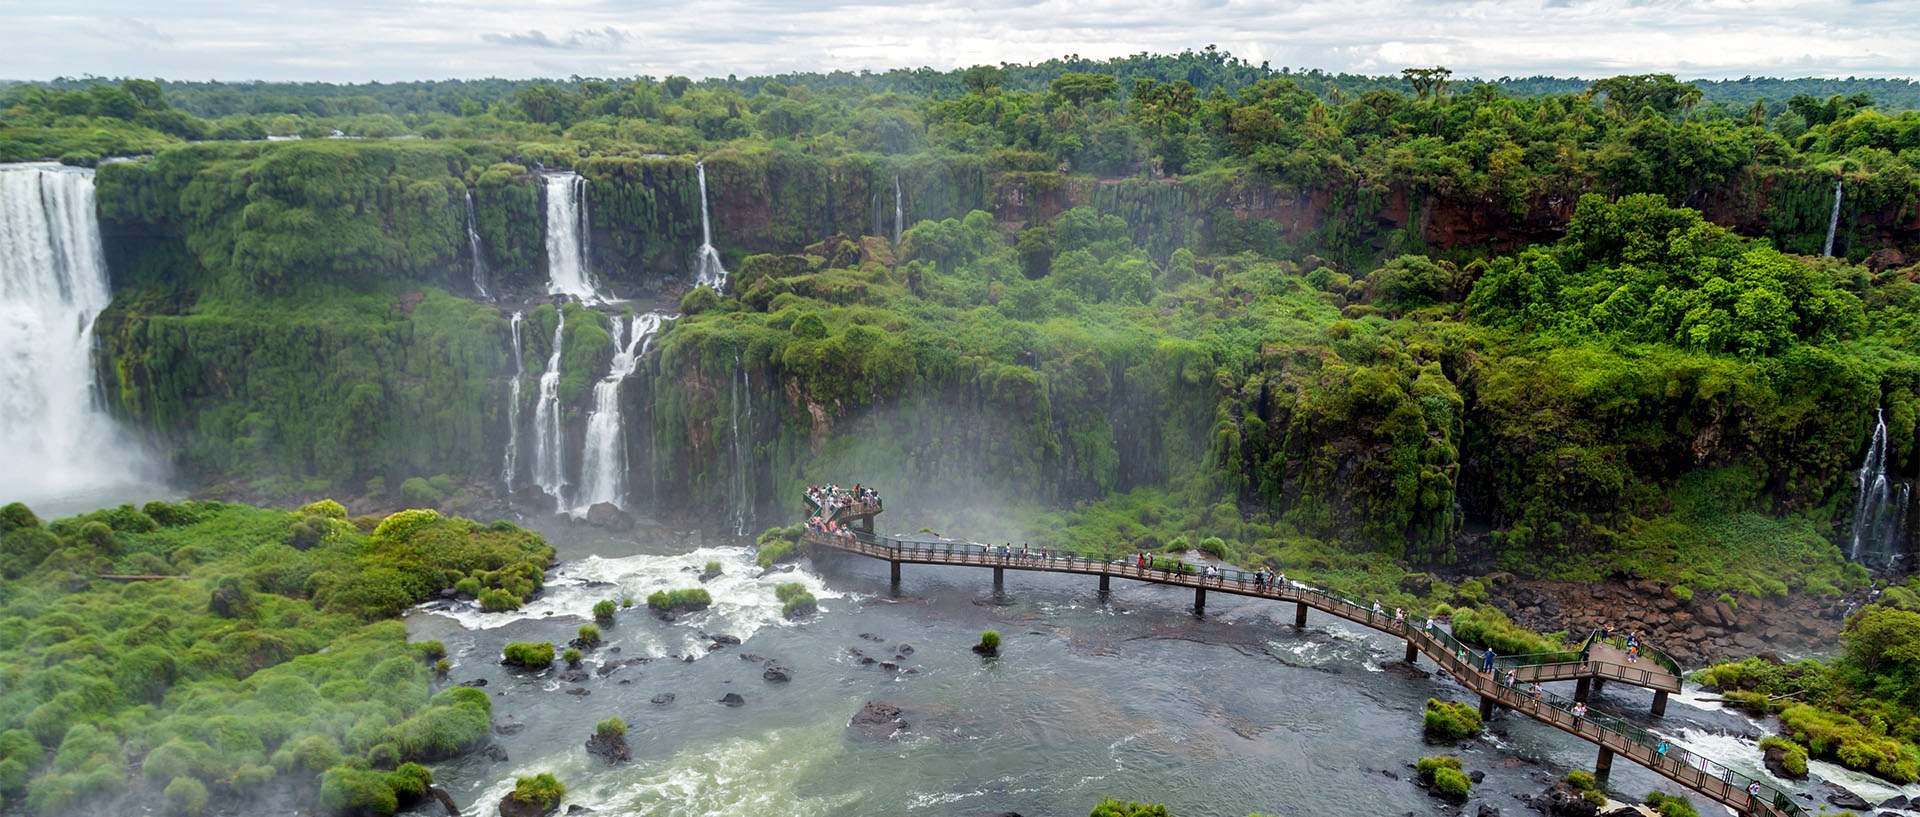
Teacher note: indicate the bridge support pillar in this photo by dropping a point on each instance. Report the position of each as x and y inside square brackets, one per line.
[1412, 654]
[999, 578]
[1106, 585]
[1199, 601]
[864, 524]
[895, 575]
[1582, 688]
[1603, 765]
[1486, 707]
[1660, 703]
[1299, 614]
[1599, 684]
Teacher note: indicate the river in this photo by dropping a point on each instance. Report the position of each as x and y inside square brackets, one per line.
[1221, 716]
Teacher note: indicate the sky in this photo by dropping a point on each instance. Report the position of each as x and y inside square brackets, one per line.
[372, 40]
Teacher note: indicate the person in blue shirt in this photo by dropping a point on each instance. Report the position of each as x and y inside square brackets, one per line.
[1486, 661]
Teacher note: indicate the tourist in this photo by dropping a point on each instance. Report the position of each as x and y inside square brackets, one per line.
[1508, 683]
[1486, 661]
[1429, 624]
[1579, 711]
[1535, 692]
[1753, 789]
[1662, 749]
[1399, 616]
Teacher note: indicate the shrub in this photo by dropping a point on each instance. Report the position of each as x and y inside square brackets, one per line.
[442, 667]
[603, 610]
[184, 796]
[495, 600]
[990, 640]
[468, 587]
[1444, 775]
[571, 656]
[626, 601]
[343, 788]
[786, 592]
[17, 515]
[417, 491]
[325, 508]
[1117, 808]
[1214, 546]
[589, 633]
[773, 552]
[713, 567]
[429, 650]
[1668, 805]
[800, 606]
[528, 654]
[1837, 737]
[610, 728]
[1793, 756]
[1449, 720]
[1489, 627]
[1681, 592]
[542, 789]
[410, 781]
[674, 600]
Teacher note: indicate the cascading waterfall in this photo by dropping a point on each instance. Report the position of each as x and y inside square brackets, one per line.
[53, 283]
[567, 247]
[707, 272]
[1833, 219]
[897, 213]
[603, 457]
[548, 470]
[473, 246]
[737, 484]
[1879, 511]
[876, 215]
[513, 408]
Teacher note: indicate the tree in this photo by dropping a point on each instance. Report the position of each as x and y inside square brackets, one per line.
[1627, 95]
[982, 78]
[1428, 83]
[1079, 89]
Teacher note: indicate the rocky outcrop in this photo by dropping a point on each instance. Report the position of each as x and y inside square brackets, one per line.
[733, 699]
[609, 747]
[1694, 632]
[877, 720]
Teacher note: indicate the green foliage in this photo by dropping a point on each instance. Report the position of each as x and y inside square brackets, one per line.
[1444, 773]
[1488, 627]
[542, 789]
[603, 610]
[571, 656]
[668, 601]
[1839, 738]
[1117, 808]
[590, 633]
[1668, 805]
[1793, 756]
[183, 797]
[1449, 721]
[528, 655]
[343, 788]
[1681, 592]
[990, 640]
[495, 600]
[417, 491]
[611, 728]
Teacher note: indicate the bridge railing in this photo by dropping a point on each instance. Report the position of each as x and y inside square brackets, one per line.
[857, 508]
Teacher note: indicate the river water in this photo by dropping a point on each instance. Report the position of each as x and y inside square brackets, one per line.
[1230, 714]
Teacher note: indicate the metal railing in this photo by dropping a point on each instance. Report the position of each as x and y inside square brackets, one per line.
[1699, 773]
[851, 509]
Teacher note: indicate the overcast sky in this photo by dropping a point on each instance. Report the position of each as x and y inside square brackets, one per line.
[361, 40]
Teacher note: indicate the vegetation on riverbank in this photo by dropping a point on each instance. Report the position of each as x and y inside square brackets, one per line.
[271, 666]
[676, 601]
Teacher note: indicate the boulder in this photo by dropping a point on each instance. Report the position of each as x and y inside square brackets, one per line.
[495, 753]
[475, 683]
[446, 800]
[1898, 801]
[1487, 810]
[708, 575]
[777, 672]
[733, 699]
[1842, 798]
[610, 748]
[608, 516]
[662, 699]
[579, 691]
[724, 640]
[509, 728]
[510, 807]
[578, 809]
[1775, 760]
[877, 720]
[904, 648]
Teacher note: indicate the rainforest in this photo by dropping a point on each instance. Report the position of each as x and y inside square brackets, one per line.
[1532, 357]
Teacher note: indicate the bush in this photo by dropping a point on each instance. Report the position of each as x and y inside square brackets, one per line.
[800, 606]
[603, 610]
[343, 788]
[528, 654]
[1837, 737]
[571, 656]
[610, 728]
[495, 600]
[325, 508]
[184, 796]
[626, 601]
[1450, 721]
[990, 640]
[1489, 627]
[713, 567]
[468, 587]
[1681, 592]
[668, 601]
[410, 781]
[1793, 756]
[1444, 775]
[1668, 805]
[543, 789]
[417, 491]
[786, 592]
[589, 633]
[1117, 808]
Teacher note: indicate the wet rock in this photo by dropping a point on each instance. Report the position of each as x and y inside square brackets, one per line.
[733, 699]
[1842, 798]
[777, 672]
[903, 648]
[724, 639]
[610, 748]
[878, 720]
[889, 666]
[573, 676]
[446, 800]
[448, 593]
[1487, 810]
[509, 728]
[864, 661]
[578, 809]
[510, 807]
[1898, 801]
[1775, 760]
[495, 753]
[1476, 777]
[475, 683]
[752, 657]
[609, 516]
[578, 691]
[663, 699]
[709, 575]
[1389, 774]
[871, 637]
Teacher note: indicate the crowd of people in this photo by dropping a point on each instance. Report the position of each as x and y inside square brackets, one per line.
[831, 498]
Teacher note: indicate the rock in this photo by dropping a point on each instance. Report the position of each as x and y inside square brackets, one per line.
[733, 699]
[448, 593]
[889, 666]
[777, 672]
[864, 661]
[610, 748]
[573, 676]
[709, 575]
[877, 720]
[662, 699]
[475, 683]
[495, 753]
[510, 807]
[1848, 800]
[1775, 760]
[509, 728]
[871, 637]
[609, 516]
[904, 648]
[446, 800]
[1898, 801]
[578, 691]
[1416, 584]
[1487, 810]
[578, 809]
[1476, 777]
[723, 639]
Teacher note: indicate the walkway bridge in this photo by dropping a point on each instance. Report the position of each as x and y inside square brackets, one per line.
[1612, 735]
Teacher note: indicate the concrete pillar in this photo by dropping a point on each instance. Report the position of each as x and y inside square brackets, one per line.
[1413, 655]
[1299, 614]
[1603, 765]
[999, 577]
[1659, 703]
[896, 573]
[1486, 707]
[1199, 601]
[1581, 688]
[1106, 584]
[1599, 683]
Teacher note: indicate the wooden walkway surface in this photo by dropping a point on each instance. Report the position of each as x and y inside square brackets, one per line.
[1612, 735]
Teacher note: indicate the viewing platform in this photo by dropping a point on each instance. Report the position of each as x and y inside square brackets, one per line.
[1596, 662]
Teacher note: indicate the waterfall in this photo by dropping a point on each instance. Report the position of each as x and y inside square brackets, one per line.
[1833, 218]
[513, 408]
[567, 247]
[1879, 511]
[548, 470]
[603, 456]
[737, 482]
[58, 439]
[897, 217]
[876, 215]
[708, 272]
[473, 247]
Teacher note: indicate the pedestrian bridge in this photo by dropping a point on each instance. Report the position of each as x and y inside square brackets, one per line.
[1594, 663]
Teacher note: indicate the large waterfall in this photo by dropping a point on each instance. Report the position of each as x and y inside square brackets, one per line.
[513, 408]
[473, 247]
[1880, 510]
[567, 235]
[603, 457]
[898, 216]
[549, 472]
[53, 283]
[1833, 218]
[707, 272]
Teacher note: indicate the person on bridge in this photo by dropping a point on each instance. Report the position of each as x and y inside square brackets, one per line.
[1579, 711]
[1213, 572]
[1508, 683]
[1753, 789]
[1486, 661]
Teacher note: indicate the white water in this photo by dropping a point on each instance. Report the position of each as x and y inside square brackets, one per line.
[737, 486]
[512, 463]
[567, 234]
[1880, 507]
[1833, 219]
[603, 456]
[548, 470]
[53, 283]
[473, 248]
[707, 272]
[898, 218]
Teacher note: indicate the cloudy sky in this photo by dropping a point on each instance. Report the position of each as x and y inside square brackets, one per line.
[360, 40]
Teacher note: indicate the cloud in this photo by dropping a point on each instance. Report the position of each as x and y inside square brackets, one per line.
[602, 39]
